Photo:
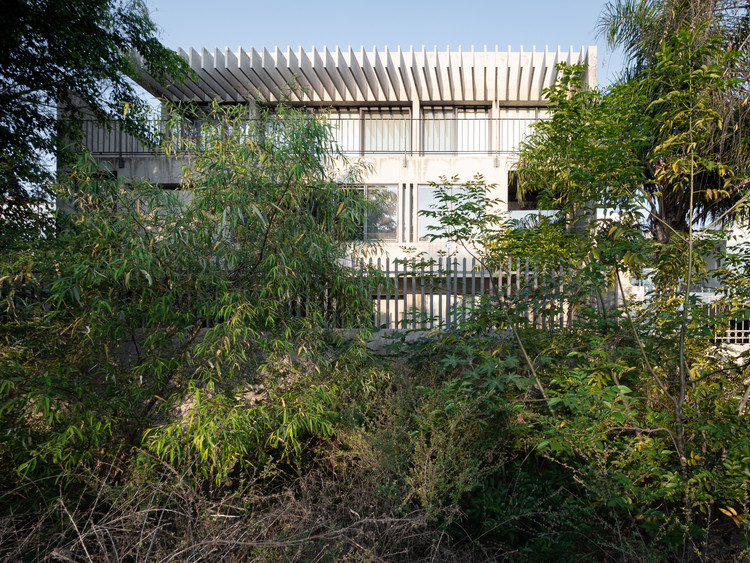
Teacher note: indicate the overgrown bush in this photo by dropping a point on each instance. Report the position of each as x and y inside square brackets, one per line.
[150, 303]
[174, 387]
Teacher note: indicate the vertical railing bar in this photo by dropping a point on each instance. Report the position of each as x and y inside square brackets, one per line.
[509, 279]
[332, 308]
[449, 292]
[463, 289]
[454, 293]
[377, 293]
[395, 305]
[406, 289]
[473, 285]
[481, 281]
[367, 294]
[496, 283]
[449, 289]
[441, 290]
[365, 290]
[387, 293]
[526, 288]
[413, 298]
[432, 295]
[339, 317]
[421, 297]
[120, 161]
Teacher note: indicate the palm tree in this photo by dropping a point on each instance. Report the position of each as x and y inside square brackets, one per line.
[640, 27]
[719, 33]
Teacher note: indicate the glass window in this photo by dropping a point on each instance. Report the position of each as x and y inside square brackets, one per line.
[449, 130]
[525, 211]
[473, 130]
[381, 220]
[426, 200]
[514, 126]
[439, 127]
[515, 201]
[386, 131]
[346, 128]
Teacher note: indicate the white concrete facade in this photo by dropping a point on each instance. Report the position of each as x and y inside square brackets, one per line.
[413, 116]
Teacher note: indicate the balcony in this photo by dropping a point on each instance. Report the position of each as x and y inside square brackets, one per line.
[356, 134]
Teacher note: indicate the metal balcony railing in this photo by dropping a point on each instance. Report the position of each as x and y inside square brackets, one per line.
[354, 136]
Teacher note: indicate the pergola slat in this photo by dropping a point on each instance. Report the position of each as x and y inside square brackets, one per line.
[327, 76]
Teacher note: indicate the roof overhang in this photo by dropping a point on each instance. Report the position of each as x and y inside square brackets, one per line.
[370, 77]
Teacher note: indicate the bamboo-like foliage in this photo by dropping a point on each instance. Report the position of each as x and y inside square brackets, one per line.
[149, 303]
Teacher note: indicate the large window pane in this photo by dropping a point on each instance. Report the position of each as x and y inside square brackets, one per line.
[473, 130]
[514, 127]
[381, 222]
[346, 129]
[515, 202]
[438, 130]
[428, 201]
[387, 131]
[451, 130]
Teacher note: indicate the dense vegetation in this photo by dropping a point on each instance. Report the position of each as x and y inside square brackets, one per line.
[68, 55]
[174, 384]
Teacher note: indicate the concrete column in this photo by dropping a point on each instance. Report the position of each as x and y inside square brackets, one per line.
[494, 126]
[415, 126]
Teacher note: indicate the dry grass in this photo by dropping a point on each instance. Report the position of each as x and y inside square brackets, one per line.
[317, 517]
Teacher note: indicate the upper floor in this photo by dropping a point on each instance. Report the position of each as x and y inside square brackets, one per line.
[377, 102]
[362, 131]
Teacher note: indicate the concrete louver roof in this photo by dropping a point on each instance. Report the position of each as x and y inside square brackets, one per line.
[371, 77]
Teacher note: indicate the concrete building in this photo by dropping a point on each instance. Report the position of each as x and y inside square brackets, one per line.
[413, 115]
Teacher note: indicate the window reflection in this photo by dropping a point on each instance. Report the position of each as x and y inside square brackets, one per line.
[380, 222]
[428, 201]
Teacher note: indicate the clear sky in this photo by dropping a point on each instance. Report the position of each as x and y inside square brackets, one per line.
[381, 23]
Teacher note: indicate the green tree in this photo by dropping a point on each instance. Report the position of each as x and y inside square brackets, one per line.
[66, 58]
[150, 299]
[665, 160]
[673, 41]
[622, 148]
[640, 27]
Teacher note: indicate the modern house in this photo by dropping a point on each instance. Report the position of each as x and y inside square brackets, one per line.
[414, 116]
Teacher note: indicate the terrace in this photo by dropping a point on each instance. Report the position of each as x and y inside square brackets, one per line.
[361, 133]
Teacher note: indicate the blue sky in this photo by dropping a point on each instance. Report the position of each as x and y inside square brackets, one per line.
[381, 23]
